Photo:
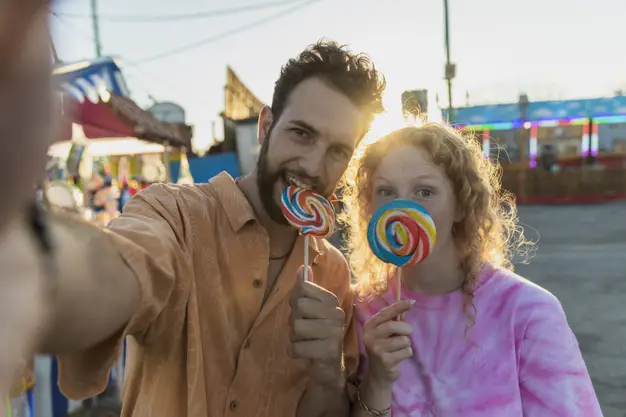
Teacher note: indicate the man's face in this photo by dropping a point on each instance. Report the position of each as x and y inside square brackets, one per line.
[309, 146]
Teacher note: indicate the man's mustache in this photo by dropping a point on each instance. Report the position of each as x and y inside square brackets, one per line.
[313, 182]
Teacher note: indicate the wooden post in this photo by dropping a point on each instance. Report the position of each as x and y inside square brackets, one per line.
[523, 104]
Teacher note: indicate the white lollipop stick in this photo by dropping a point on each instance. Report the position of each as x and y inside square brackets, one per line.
[306, 258]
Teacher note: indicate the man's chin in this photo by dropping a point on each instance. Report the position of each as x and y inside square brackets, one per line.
[271, 204]
[275, 213]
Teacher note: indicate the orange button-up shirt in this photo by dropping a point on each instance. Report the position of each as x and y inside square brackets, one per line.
[202, 343]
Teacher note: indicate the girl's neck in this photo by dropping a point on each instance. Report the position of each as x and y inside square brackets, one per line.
[439, 274]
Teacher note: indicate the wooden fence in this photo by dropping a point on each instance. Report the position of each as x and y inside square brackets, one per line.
[585, 184]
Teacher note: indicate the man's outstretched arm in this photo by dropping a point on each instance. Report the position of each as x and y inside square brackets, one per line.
[94, 293]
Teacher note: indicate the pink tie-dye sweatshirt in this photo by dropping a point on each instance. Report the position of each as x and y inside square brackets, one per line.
[519, 359]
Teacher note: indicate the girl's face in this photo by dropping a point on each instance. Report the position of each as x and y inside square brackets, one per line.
[408, 172]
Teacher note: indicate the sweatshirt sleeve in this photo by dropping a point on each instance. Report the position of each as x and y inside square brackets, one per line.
[554, 381]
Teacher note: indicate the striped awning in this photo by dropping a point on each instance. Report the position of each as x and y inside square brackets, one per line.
[97, 97]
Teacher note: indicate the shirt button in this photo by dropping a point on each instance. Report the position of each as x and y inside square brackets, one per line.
[257, 283]
[233, 405]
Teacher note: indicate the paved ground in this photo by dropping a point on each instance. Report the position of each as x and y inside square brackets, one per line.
[581, 258]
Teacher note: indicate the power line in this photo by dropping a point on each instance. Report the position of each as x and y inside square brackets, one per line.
[225, 34]
[127, 64]
[180, 17]
[130, 66]
[84, 34]
[72, 26]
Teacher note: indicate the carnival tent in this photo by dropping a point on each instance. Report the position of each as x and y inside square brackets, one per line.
[96, 97]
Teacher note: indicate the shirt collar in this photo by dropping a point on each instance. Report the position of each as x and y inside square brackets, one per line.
[239, 211]
[235, 204]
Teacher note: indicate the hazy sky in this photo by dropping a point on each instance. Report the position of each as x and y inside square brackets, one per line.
[551, 49]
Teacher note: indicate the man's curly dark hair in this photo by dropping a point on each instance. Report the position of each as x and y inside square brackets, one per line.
[352, 74]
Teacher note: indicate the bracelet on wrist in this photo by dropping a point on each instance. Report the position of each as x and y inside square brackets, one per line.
[371, 411]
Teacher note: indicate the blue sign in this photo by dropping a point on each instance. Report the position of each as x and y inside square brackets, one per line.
[89, 80]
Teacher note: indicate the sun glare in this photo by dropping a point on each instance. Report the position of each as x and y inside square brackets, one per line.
[393, 118]
[384, 124]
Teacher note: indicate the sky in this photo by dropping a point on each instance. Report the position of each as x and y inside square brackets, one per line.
[549, 49]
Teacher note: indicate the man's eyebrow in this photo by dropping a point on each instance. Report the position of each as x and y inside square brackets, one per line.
[304, 125]
[315, 132]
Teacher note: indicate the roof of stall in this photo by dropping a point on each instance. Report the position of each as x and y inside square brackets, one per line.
[97, 98]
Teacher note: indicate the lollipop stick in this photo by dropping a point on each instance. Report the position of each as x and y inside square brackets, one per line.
[399, 288]
[306, 258]
[399, 284]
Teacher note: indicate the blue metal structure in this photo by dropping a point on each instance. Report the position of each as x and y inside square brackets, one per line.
[203, 169]
[538, 111]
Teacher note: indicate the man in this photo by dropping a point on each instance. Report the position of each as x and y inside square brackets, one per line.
[25, 125]
[25, 94]
[206, 279]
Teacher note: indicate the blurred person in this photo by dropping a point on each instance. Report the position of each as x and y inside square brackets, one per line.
[548, 157]
[207, 280]
[25, 131]
[17, 401]
[476, 339]
[25, 101]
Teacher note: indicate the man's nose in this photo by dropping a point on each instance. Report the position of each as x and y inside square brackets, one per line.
[313, 162]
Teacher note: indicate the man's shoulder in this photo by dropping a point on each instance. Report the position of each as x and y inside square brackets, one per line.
[192, 194]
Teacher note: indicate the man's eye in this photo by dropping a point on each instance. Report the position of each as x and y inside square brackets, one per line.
[341, 154]
[303, 134]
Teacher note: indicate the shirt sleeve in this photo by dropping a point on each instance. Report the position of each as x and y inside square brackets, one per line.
[149, 236]
[350, 342]
[554, 381]
[355, 379]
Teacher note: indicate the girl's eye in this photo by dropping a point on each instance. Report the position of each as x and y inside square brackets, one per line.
[425, 193]
[385, 192]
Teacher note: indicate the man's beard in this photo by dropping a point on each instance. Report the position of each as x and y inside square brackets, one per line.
[266, 180]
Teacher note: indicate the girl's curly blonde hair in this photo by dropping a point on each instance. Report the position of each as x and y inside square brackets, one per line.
[488, 231]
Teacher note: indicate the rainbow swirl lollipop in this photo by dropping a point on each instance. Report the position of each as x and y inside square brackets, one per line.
[308, 211]
[401, 233]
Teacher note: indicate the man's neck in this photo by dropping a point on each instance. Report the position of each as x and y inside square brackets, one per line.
[281, 237]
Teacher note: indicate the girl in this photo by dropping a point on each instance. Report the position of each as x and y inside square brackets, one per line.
[476, 339]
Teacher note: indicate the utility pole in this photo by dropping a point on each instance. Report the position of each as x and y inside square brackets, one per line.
[524, 139]
[96, 28]
[450, 70]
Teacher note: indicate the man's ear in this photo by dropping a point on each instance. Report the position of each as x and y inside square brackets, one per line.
[265, 123]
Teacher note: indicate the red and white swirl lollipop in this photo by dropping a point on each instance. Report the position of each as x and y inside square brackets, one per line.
[310, 213]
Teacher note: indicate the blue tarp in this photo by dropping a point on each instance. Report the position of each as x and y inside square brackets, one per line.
[205, 168]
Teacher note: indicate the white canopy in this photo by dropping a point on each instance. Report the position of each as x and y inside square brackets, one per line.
[104, 146]
[108, 147]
